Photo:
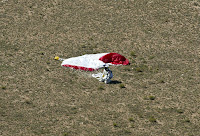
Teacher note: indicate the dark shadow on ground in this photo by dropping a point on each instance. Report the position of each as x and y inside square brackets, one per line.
[115, 82]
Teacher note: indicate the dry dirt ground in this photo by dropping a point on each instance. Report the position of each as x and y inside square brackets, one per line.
[157, 95]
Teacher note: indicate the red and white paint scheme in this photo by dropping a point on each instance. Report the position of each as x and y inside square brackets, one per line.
[91, 62]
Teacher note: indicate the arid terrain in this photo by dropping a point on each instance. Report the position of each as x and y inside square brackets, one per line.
[158, 94]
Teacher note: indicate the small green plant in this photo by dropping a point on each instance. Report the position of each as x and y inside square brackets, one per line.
[3, 87]
[127, 131]
[127, 69]
[115, 125]
[133, 54]
[131, 120]
[132, 126]
[138, 69]
[179, 111]
[152, 119]
[28, 101]
[187, 120]
[83, 46]
[141, 68]
[152, 97]
[66, 134]
[154, 70]
[100, 88]
[48, 62]
[151, 57]
[161, 81]
[122, 86]
[149, 97]
[140, 115]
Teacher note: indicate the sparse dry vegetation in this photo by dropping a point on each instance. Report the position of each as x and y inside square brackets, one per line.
[158, 94]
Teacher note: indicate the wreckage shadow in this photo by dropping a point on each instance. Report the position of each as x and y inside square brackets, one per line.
[115, 82]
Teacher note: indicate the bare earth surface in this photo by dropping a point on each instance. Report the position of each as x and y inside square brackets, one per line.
[157, 95]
